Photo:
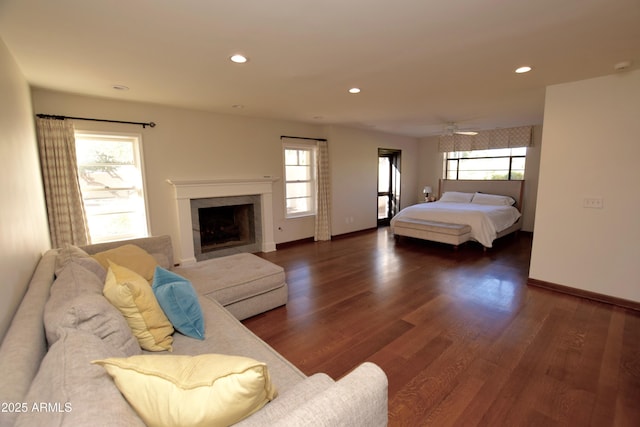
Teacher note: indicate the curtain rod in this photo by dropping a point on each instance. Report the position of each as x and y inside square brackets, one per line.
[55, 117]
[302, 137]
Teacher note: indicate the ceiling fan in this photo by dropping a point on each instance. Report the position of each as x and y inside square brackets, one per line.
[452, 128]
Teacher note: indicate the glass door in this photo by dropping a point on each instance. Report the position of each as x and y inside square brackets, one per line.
[388, 185]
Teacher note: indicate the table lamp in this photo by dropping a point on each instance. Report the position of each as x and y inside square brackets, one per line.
[426, 190]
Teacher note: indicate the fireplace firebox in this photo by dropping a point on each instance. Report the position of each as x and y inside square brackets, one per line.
[225, 225]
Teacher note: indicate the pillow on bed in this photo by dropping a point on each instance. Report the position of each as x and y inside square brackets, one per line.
[456, 197]
[492, 199]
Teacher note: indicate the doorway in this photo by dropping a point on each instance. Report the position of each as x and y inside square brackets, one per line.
[388, 184]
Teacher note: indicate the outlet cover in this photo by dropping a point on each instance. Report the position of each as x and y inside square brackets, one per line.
[592, 202]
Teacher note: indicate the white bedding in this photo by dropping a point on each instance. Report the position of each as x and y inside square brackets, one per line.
[485, 220]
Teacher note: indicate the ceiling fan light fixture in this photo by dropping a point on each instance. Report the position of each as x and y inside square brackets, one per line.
[452, 129]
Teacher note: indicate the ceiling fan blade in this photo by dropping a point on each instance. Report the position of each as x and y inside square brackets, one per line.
[451, 128]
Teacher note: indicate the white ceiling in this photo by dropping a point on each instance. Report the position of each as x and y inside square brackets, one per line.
[419, 63]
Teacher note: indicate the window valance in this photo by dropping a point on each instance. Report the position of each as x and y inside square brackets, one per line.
[487, 139]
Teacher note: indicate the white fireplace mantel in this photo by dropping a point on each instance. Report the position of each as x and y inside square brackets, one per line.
[185, 190]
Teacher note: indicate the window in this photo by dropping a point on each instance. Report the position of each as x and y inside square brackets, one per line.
[110, 174]
[502, 163]
[300, 180]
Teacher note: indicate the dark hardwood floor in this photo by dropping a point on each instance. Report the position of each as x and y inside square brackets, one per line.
[461, 337]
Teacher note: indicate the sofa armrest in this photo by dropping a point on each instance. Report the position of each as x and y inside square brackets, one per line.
[24, 345]
[357, 399]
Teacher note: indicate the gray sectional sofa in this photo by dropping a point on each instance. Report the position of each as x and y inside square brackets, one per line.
[54, 384]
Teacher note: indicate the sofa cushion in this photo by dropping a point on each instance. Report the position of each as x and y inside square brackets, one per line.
[94, 314]
[131, 294]
[159, 247]
[73, 281]
[130, 256]
[70, 253]
[179, 302]
[77, 392]
[227, 335]
[203, 390]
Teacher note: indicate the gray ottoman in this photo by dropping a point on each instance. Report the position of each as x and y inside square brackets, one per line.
[244, 284]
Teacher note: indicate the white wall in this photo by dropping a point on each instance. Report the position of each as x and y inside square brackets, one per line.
[23, 222]
[190, 144]
[591, 149]
[431, 166]
[531, 176]
[354, 175]
[431, 170]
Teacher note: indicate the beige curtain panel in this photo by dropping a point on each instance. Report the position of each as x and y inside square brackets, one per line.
[323, 215]
[486, 140]
[65, 210]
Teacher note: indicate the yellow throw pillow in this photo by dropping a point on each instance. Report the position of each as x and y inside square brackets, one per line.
[205, 390]
[131, 294]
[130, 256]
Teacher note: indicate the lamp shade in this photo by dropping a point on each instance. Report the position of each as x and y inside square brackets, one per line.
[427, 190]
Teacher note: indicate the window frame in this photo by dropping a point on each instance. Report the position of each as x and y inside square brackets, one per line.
[510, 171]
[138, 157]
[313, 149]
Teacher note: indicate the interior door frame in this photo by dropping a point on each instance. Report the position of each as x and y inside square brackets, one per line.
[393, 192]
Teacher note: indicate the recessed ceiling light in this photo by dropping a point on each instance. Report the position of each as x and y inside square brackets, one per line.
[354, 90]
[524, 69]
[239, 59]
[120, 87]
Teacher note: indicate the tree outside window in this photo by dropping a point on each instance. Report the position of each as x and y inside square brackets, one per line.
[300, 180]
[503, 163]
[110, 173]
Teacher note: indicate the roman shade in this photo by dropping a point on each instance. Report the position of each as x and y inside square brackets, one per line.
[486, 140]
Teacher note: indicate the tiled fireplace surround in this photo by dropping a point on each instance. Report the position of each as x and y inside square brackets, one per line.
[186, 190]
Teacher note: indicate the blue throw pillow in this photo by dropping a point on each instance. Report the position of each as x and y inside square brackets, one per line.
[179, 302]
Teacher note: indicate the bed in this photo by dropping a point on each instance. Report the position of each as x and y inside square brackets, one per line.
[466, 210]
